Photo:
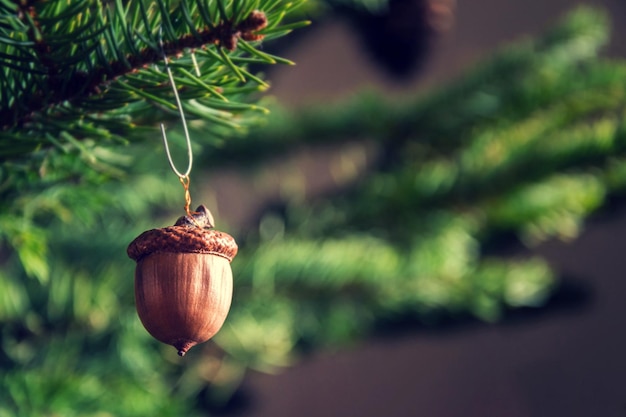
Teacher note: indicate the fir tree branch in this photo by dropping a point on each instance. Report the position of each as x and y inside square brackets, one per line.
[511, 85]
[86, 84]
[95, 57]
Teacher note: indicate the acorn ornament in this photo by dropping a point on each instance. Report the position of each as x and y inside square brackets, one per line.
[183, 280]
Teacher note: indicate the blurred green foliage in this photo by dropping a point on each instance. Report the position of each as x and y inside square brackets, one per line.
[529, 143]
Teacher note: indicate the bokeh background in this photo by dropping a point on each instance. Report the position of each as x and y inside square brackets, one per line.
[565, 359]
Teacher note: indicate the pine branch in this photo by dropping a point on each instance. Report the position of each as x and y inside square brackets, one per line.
[65, 63]
[510, 86]
[353, 282]
[85, 84]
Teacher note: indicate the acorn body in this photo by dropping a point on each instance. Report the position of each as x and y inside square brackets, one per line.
[183, 280]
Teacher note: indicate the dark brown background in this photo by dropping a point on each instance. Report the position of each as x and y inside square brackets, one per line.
[567, 360]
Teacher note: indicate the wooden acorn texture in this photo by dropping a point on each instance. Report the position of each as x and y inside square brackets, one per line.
[183, 280]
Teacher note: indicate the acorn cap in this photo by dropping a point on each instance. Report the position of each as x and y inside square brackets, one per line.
[188, 235]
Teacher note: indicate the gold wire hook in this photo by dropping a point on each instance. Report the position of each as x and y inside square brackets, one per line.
[185, 182]
[184, 178]
[182, 117]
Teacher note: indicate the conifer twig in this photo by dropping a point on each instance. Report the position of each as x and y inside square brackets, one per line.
[86, 84]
